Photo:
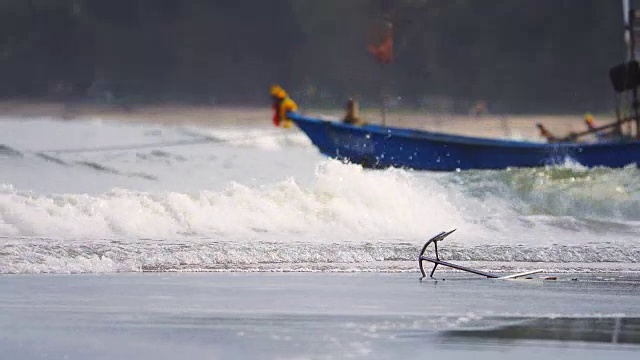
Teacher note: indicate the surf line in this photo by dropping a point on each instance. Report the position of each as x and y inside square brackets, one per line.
[6, 150]
[129, 147]
[202, 139]
[94, 166]
[276, 133]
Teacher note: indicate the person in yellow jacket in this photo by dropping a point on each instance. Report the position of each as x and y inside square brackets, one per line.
[282, 104]
[615, 132]
[588, 119]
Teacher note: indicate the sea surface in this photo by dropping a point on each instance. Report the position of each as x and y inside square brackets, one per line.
[89, 205]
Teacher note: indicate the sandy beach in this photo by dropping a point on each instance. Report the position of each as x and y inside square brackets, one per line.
[504, 126]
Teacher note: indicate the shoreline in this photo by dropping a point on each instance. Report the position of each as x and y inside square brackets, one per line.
[310, 316]
[504, 126]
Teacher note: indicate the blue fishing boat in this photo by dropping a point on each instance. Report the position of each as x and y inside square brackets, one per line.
[380, 146]
[377, 146]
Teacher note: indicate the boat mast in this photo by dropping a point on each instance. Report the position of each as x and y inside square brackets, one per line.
[627, 33]
[629, 22]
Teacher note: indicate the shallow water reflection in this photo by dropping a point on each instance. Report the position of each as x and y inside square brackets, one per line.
[616, 330]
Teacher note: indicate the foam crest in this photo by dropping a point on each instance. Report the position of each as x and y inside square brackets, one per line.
[344, 202]
[574, 191]
[104, 256]
[559, 204]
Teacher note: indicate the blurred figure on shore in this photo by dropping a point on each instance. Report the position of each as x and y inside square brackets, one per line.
[479, 109]
[282, 105]
[353, 114]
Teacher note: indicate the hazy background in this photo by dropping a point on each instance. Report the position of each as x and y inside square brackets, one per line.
[520, 56]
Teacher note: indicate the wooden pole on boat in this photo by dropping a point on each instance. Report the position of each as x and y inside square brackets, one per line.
[617, 124]
[383, 109]
[380, 45]
[633, 58]
[627, 32]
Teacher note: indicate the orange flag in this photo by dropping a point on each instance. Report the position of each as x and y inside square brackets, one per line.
[384, 51]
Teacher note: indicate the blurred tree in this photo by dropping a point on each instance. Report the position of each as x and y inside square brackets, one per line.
[529, 55]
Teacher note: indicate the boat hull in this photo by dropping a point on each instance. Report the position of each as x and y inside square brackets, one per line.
[376, 146]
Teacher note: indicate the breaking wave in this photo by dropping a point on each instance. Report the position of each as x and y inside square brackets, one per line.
[95, 198]
[346, 219]
[344, 202]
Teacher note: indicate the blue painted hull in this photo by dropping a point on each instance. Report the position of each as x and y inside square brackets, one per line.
[376, 146]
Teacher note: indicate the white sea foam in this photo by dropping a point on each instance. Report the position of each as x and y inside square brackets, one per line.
[345, 202]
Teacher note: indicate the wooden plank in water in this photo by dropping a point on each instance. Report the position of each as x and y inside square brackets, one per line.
[518, 275]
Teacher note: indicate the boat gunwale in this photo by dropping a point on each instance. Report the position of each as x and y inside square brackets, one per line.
[458, 139]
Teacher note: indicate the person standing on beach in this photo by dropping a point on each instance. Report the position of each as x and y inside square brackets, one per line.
[282, 105]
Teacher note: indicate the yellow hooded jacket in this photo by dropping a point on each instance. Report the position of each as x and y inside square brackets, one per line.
[282, 105]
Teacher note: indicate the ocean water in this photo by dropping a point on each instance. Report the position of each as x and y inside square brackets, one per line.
[102, 197]
[312, 258]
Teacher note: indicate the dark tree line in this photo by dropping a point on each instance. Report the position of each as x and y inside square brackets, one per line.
[518, 55]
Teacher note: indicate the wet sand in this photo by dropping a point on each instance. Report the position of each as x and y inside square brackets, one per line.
[503, 126]
[316, 316]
